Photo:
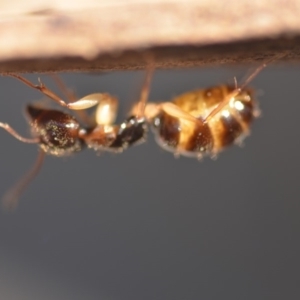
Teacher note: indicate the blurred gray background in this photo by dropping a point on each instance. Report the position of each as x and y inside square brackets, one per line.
[144, 225]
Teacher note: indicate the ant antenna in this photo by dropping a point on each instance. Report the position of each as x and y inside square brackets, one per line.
[237, 90]
[11, 197]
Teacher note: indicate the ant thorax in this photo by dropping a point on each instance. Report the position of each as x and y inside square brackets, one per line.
[131, 132]
[105, 135]
[116, 138]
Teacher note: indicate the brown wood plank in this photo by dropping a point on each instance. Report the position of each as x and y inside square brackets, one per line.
[43, 36]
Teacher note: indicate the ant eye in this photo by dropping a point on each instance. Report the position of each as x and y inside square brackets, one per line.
[58, 131]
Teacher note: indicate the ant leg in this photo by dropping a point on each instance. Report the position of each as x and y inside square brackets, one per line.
[17, 136]
[175, 111]
[71, 97]
[239, 89]
[153, 109]
[145, 90]
[106, 110]
[233, 94]
[11, 198]
[77, 105]
[68, 93]
[225, 101]
[235, 83]
[139, 108]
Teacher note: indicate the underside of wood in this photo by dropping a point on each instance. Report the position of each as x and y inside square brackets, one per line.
[44, 36]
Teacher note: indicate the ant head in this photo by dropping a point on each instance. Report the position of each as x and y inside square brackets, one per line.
[58, 132]
[245, 104]
[244, 94]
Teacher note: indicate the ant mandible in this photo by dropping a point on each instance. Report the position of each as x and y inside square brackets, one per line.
[61, 134]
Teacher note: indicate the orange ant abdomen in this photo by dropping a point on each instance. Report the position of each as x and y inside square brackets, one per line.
[182, 136]
[58, 132]
[191, 125]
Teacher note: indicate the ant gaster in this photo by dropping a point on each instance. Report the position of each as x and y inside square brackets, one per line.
[60, 134]
[205, 121]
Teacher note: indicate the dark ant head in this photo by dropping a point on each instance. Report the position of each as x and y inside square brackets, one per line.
[58, 132]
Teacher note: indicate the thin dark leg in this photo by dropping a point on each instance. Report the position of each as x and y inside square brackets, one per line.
[41, 87]
[17, 136]
[11, 198]
[77, 105]
[146, 87]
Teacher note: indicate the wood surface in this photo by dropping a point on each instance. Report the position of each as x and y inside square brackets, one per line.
[51, 36]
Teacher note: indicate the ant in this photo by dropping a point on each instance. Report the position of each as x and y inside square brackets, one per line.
[194, 124]
[205, 121]
[60, 134]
